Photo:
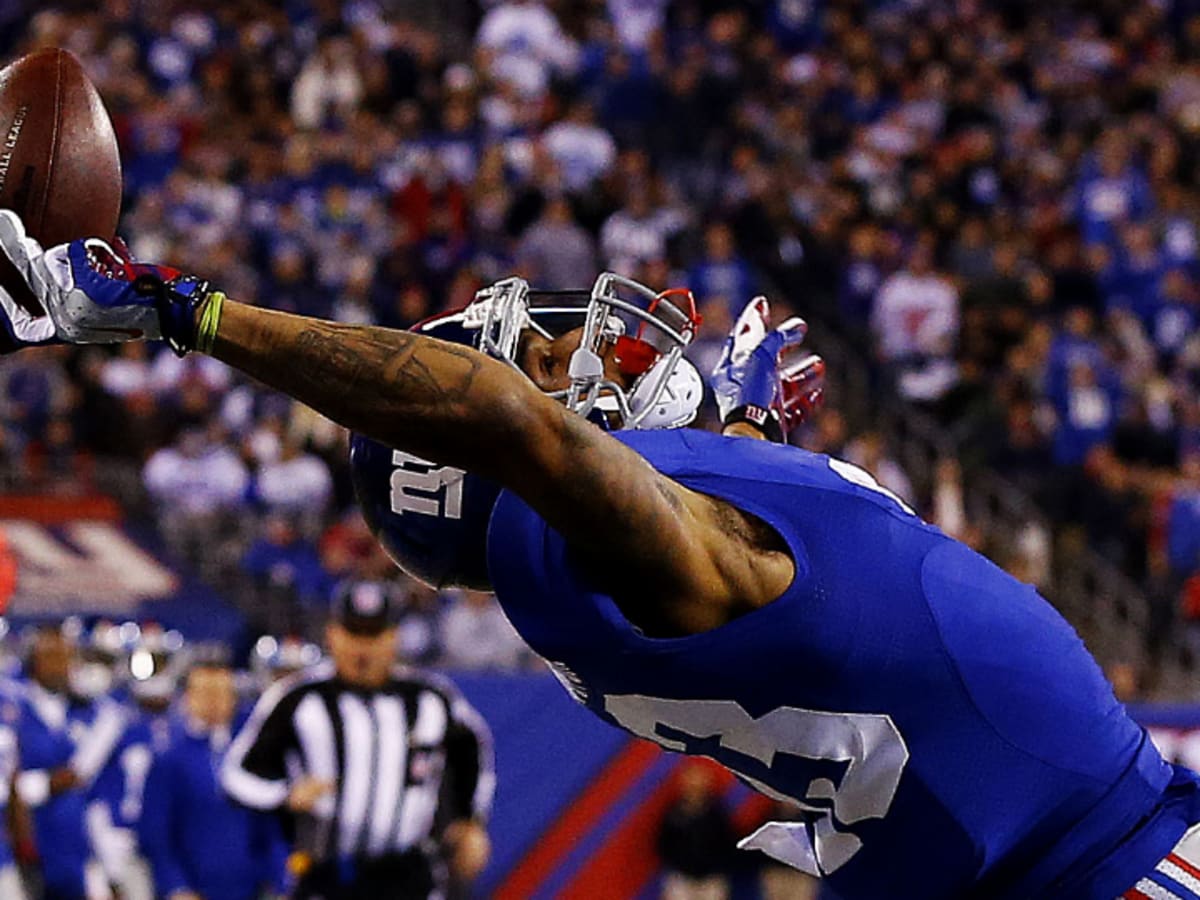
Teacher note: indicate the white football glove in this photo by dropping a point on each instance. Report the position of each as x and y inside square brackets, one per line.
[87, 287]
[25, 328]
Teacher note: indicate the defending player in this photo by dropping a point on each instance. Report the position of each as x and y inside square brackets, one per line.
[944, 729]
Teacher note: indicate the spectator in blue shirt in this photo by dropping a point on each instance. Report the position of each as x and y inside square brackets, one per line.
[1076, 344]
[1112, 191]
[629, 97]
[860, 277]
[201, 844]
[1183, 524]
[1139, 270]
[284, 568]
[722, 273]
[1087, 412]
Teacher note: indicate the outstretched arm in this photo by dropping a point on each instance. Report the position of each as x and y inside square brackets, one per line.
[442, 401]
[685, 559]
[455, 406]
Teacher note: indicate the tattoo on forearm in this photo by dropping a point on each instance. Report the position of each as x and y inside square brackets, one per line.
[416, 369]
[319, 355]
[378, 358]
[378, 381]
[453, 405]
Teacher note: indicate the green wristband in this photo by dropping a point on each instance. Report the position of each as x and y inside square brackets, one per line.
[210, 319]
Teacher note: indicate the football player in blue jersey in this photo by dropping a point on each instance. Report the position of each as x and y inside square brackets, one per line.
[943, 730]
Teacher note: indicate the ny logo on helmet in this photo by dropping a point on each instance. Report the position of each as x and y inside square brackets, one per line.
[419, 486]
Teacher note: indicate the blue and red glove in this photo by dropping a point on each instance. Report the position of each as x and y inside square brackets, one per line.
[95, 293]
[754, 381]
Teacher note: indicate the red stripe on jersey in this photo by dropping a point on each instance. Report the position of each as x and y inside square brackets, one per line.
[1183, 864]
[1134, 894]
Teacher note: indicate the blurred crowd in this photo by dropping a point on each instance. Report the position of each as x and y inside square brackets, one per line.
[112, 739]
[996, 201]
[105, 733]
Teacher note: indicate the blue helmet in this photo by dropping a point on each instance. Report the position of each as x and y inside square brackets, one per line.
[432, 519]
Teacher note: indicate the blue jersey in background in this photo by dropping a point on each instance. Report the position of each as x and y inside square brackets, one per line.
[55, 731]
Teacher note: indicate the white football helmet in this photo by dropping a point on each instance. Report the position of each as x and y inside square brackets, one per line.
[433, 519]
[649, 329]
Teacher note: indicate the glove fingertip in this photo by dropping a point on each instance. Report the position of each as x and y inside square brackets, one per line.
[121, 247]
[793, 330]
[755, 306]
[772, 343]
[11, 224]
[12, 237]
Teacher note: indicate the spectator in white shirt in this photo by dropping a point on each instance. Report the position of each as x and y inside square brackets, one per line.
[296, 482]
[636, 22]
[526, 45]
[582, 149]
[477, 637]
[195, 485]
[637, 233]
[196, 475]
[169, 371]
[129, 372]
[915, 320]
[329, 82]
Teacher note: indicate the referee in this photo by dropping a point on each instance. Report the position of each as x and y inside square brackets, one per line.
[384, 775]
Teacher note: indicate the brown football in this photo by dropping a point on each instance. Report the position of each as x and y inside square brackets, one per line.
[59, 166]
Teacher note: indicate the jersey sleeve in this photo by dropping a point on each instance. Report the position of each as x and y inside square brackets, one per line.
[470, 763]
[254, 772]
[95, 747]
[37, 758]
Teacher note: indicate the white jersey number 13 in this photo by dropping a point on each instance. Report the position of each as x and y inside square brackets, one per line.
[870, 746]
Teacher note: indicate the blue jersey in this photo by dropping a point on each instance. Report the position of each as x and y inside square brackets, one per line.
[941, 726]
[194, 836]
[10, 713]
[54, 732]
[121, 783]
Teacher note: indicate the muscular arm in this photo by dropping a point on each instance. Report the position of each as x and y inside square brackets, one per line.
[457, 407]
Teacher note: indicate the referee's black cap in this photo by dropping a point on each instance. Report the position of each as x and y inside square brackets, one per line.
[365, 607]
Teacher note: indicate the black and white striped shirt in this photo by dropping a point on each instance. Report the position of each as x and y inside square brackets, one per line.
[407, 758]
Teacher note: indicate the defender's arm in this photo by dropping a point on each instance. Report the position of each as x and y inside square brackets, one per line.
[457, 407]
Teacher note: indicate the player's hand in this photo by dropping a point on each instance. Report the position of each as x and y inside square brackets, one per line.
[307, 792]
[801, 389]
[62, 779]
[95, 293]
[754, 384]
[469, 846]
[25, 327]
